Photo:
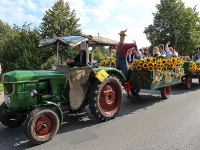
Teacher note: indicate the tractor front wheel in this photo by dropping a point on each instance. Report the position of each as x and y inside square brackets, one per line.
[10, 120]
[105, 99]
[42, 125]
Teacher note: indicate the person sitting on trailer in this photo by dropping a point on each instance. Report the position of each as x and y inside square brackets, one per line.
[79, 60]
[121, 54]
[196, 56]
[171, 52]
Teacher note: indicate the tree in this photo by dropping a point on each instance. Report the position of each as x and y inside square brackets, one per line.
[176, 23]
[19, 50]
[60, 21]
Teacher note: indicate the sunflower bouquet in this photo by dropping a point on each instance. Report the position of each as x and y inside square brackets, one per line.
[152, 63]
[193, 67]
[105, 62]
[166, 67]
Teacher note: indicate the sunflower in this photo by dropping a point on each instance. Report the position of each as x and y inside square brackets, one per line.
[165, 68]
[174, 60]
[158, 65]
[164, 61]
[151, 64]
[150, 68]
[171, 66]
[140, 64]
[145, 65]
[142, 61]
[138, 67]
[153, 59]
[148, 59]
[133, 64]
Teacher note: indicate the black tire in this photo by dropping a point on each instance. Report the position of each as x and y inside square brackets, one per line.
[188, 82]
[105, 99]
[135, 91]
[10, 120]
[165, 92]
[42, 125]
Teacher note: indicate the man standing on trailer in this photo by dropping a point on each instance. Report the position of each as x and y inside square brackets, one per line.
[121, 54]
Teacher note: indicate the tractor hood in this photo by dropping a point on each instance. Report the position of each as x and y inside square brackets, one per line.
[30, 75]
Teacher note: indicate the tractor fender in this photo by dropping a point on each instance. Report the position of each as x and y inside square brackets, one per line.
[59, 110]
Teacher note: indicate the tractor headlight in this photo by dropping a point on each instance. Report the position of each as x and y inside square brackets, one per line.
[33, 93]
[7, 99]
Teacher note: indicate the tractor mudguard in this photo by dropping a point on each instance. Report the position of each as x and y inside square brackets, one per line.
[58, 108]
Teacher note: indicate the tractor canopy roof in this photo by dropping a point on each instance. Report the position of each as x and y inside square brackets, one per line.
[77, 39]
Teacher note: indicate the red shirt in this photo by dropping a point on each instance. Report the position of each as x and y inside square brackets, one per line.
[125, 47]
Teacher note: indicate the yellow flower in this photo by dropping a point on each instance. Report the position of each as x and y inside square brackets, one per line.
[158, 65]
[142, 61]
[163, 61]
[141, 64]
[151, 64]
[148, 59]
[145, 65]
[153, 59]
[165, 68]
[150, 68]
[138, 67]
[133, 64]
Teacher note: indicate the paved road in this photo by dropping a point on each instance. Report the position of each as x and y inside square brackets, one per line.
[147, 123]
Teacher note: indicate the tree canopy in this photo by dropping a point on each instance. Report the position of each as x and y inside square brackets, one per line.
[60, 21]
[175, 23]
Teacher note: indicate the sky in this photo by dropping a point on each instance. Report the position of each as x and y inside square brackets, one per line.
[106, 17]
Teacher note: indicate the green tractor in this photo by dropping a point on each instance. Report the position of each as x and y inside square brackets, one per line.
[39, 97]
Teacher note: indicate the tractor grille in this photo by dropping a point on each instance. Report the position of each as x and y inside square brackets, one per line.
[8, 88]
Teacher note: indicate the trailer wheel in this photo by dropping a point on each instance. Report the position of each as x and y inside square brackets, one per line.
[135, 91]
[10, 120]
[188, 82]
[105, 99]
[165, 92]
[42, 125]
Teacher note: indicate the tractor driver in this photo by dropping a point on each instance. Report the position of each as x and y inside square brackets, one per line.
[79, 60]
[121, 54]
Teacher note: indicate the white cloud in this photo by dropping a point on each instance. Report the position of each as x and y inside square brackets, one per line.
[108, 4]
[125, 19]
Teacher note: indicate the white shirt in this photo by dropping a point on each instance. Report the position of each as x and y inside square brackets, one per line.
[169, 53]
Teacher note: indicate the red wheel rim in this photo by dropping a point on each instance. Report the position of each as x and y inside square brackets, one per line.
[44, 126]
[109, 99]
[168, 90]
[189, 82]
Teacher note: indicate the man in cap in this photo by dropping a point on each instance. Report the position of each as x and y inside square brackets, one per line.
[121, 54]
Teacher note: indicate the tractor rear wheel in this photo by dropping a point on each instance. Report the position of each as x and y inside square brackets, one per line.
[10, 120]
[105, 99]
[42, 125]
